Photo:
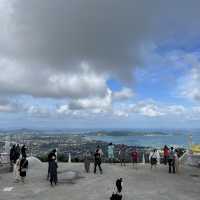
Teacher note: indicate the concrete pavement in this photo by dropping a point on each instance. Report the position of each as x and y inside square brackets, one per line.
[141, 184]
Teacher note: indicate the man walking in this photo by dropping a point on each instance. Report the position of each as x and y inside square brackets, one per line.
[171, 161]
[97, 159]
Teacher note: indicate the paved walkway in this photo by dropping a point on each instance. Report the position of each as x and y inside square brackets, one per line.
[141, 184]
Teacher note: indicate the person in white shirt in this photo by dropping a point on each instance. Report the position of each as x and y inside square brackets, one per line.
[177, 162]
[16, 169]
[154, 158]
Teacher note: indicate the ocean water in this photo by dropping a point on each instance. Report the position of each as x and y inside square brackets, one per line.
[151, 140]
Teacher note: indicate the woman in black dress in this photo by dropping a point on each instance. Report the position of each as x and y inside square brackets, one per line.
[23, 168]
[53, 171]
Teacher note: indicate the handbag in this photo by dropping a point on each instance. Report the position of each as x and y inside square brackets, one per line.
[22, 167]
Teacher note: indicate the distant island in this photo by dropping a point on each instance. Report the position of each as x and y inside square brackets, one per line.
[126, 133]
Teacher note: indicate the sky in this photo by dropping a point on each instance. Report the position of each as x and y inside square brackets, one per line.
[99, 64]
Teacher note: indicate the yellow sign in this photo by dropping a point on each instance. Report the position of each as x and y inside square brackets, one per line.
[196, 148]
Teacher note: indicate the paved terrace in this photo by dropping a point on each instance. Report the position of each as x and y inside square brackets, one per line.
[141, 184]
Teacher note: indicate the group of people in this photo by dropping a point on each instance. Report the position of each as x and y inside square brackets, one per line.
[97, 157]
[53, 165]
[170, 157]
[19, 162]
[122, 155]
[97, 160]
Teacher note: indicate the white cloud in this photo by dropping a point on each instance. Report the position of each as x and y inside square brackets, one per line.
[191, 85]
[63, 109]
[120, 113]
[43, 52]
[8, 106]
[17, 79]
[103, 103]
[148, 109]
[38, 111]
[71, 56]
[175, 109]
[196, 109]
[124, 94]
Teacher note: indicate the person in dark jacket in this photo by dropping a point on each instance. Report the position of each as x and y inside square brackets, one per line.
[23, 151]
[17, 152]
[53, 171]
[50, 156]
[171, 161]
[12, 154]
[118, 194]
[12, 157]
[97, 159]
[119, 185]
[23, 168]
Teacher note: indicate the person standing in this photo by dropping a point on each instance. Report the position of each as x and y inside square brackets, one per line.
[97, 159]
[53, 171]
[171, 161]
[12, 157]
[17, 152]
[50, 156]
[23, 168]
[16, 170]
[87, 159]
[23, 151]
[166, 154]
[135, 157]
[177, 162]
[154, 158]
[122, 155]
[111, 153]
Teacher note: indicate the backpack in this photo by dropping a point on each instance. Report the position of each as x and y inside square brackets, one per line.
[97, 155]
[116, 197]
[171, 155]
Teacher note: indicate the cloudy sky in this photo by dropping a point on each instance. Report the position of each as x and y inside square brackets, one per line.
[99, 64]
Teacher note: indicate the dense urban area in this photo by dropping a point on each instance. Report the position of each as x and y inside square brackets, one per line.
[40, 143]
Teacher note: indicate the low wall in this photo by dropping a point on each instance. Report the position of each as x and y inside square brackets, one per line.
[4, 158]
